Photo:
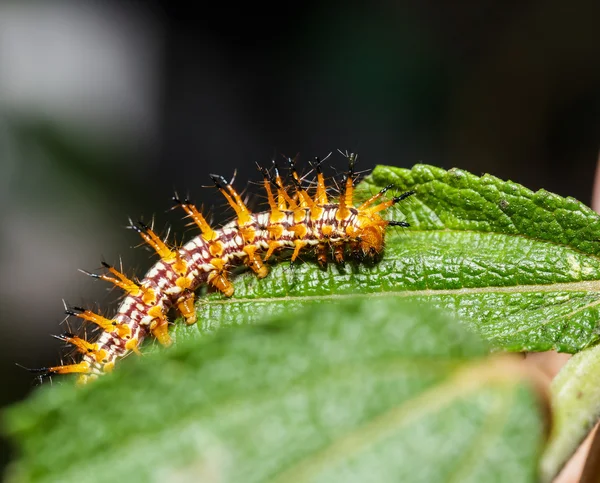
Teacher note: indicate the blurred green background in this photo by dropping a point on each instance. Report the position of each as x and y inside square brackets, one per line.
[107, 107]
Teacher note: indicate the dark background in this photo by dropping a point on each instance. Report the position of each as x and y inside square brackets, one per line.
[106, 107]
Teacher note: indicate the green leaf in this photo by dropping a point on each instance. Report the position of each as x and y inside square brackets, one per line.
[367, 389]
[575, 395]
[522, 268]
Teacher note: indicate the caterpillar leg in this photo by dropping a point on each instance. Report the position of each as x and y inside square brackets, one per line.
[338, 253]
[221, 283]
[185, 304]
[322, 250]
[254, 262]
[218, 278]
[133, 346]
[159, 328]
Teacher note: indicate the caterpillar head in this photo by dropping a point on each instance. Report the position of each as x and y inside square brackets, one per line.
[369, 231]
[371, 241]
[370, 237]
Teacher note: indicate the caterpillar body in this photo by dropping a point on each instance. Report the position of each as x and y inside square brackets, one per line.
[294, 223]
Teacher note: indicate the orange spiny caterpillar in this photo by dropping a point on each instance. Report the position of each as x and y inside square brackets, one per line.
[295, 222]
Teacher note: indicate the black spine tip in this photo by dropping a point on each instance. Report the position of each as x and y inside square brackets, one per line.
[105, 265]
[133, 226]
[89, 274]
[275, 167]
[403, 196]
[220, 181]
[403, 224]
[74, 310]
[142, 225]
[264, 171]
[63, 337]
[316, 164]
[351, 157]
[41, 370]
[351, 160]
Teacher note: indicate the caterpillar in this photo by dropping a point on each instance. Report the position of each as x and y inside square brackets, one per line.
[294, 223]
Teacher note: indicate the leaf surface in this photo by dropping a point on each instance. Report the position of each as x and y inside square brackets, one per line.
[521, 268]
[365, 390]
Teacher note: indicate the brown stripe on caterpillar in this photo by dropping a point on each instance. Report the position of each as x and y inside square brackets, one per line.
[296, 221]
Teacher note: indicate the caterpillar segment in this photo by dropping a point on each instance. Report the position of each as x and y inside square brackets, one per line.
[298, 220]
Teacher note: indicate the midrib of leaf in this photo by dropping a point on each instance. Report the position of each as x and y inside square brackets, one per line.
[591, 286]
[430, 295]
